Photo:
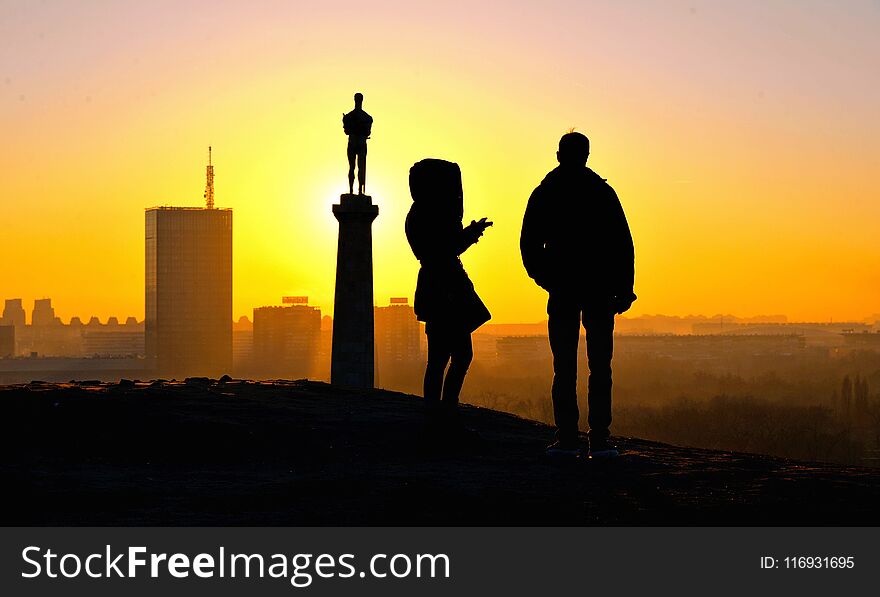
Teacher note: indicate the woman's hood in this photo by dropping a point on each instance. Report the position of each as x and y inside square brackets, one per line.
[435, 185]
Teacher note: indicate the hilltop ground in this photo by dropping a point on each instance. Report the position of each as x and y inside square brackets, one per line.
[305, 453]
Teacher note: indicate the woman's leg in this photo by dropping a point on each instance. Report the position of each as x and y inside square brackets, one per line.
[439, 353]
[461, 354]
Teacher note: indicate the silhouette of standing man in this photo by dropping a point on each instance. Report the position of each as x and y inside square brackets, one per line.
[576, 244]
[357, 124]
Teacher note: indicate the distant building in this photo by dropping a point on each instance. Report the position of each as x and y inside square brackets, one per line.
[785, 328]
[112, 339]
[397, 333]
[47, 336]
[7, 341]
[322, 371]
[50, 337]
[13, 313]
[485, 348]
[523, 351]
[242, 346]
[43, 313]
[188, 325]
[712, 347]
[287, 340]
[113, 344]
[399, 364]
[860, 341]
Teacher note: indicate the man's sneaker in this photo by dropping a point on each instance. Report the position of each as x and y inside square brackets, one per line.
[564, 449]
[602, 448]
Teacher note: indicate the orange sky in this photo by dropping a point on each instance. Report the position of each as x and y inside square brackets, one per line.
[742, 139]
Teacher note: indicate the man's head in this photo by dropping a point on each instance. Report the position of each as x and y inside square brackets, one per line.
[358, 99]
[574, 149]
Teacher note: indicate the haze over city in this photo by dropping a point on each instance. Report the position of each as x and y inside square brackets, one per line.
[742, 140]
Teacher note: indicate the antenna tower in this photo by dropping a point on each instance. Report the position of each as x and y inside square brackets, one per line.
[209, 187]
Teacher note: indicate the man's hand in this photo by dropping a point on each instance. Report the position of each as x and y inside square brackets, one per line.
[622, 303]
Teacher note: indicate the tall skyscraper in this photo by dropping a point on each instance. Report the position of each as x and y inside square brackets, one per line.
[188, 284]
[188, 325]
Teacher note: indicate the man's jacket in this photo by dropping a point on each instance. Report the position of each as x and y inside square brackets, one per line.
[575, 238]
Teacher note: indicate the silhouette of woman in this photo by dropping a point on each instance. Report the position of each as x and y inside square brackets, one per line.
[445, 298]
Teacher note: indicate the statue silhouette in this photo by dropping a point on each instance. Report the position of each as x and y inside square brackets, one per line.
[445, 298]
[357, 124]
[576, 244]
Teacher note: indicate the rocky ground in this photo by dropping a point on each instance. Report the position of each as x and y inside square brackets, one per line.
[232, 452]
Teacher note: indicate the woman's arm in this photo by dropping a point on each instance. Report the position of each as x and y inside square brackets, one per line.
[472, 233]
[434, 239]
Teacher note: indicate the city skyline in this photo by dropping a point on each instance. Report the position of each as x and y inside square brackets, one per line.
[749, 182]
[93, 318]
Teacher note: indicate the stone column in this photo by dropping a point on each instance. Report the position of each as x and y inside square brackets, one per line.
[353, 347]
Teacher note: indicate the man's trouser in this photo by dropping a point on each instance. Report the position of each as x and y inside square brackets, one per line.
[565, 316]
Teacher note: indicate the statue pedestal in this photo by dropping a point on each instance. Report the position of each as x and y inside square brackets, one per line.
[353, 349]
